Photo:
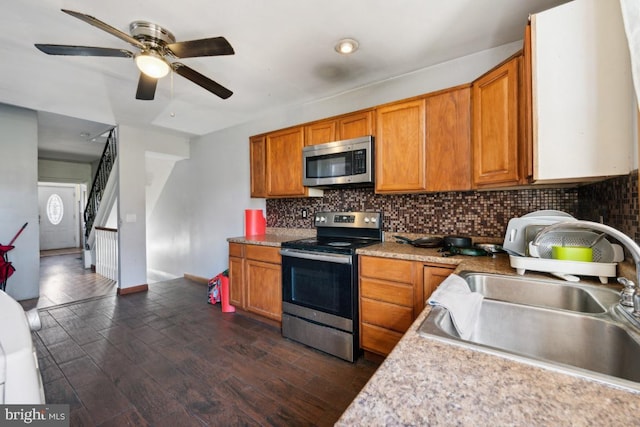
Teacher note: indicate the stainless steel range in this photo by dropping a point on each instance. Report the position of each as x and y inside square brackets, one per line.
[320, 282]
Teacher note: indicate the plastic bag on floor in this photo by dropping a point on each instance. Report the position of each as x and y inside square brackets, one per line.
[213, 291]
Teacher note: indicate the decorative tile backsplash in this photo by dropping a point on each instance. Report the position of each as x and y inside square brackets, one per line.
[613, 202]
[477, 213]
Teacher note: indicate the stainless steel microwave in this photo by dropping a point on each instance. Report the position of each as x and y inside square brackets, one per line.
[347, 162]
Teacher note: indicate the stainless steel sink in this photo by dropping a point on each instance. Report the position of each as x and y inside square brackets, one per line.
[542, 293]
[588, 339]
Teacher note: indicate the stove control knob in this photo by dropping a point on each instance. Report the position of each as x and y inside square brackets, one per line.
[366, 220]
[321, 219]
[373, 220]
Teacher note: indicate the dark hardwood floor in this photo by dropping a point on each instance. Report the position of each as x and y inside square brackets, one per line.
[167, 358]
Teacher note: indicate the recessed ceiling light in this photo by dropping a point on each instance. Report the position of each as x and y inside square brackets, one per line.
[346, 46]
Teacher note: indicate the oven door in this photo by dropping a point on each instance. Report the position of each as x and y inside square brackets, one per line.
[320, 287]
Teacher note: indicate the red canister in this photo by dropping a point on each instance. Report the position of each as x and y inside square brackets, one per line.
[254, 222]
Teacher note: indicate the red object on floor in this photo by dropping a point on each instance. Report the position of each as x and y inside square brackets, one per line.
[226, 307]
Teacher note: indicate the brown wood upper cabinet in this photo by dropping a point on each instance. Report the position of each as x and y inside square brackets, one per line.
[283, 163]
[448, 135]
[258, 165]
[424, 144]
[343, 127]
[276, 164]
[496, 142]
[400, 147]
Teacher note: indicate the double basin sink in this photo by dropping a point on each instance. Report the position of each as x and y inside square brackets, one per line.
[573, 328]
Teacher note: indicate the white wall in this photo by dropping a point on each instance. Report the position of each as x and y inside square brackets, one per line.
[205, 197]
[19, 198]
[132, 260]
[133, 147]
[68, 172]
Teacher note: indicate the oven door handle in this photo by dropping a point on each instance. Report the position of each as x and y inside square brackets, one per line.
[315, 256]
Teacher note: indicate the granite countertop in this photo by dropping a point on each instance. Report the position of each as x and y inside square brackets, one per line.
[497, 264]
[427, 382]
[424, 381]
[274, 236]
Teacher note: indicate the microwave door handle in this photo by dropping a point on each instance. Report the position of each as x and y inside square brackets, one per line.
[337, 259]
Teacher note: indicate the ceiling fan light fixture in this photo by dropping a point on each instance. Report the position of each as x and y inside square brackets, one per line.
[346, 46]
[152, 64]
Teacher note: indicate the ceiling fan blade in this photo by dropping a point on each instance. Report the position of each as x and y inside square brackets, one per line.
[58, 49]
[204, 47]
[199, 79]
[105, 27]
[146, 87]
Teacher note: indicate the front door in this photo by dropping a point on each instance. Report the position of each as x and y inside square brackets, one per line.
[58, 216]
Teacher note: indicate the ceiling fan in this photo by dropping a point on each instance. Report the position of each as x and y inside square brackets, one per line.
[158, 47]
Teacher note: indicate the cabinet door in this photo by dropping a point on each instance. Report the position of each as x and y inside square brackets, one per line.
[432, 277]
[400, 147]
[495, 127]
[284, 162]
[320, 132]
[378, 340]
[264, 289]
[258, 156]
[526, 107]
[355, 125]
[583, 103]
[448, 134]
[236, 282]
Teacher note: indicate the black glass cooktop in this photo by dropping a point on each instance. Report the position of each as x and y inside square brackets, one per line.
[330, 244]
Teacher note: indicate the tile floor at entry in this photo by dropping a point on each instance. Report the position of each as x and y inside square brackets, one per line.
[63, 279]
[167, 358]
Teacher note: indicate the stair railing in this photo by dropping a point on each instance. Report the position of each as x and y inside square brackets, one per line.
[100, 181]
[107, 252]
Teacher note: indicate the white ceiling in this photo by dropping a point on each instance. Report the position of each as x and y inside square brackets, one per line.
[284, 56]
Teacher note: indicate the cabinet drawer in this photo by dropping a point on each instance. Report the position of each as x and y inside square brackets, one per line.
[263, 253]
[395, 293]
[387, 269]
[390, 316]
[236, 249]
[378, 340]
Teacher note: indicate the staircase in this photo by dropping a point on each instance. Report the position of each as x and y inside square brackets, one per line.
[100, 181]
[102, 243]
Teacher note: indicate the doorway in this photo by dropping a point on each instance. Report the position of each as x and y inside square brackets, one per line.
[59, 209]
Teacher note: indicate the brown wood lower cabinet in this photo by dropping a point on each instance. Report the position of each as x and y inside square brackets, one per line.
[236, 274]
[392, 294]
[255, 279]
[264, 289]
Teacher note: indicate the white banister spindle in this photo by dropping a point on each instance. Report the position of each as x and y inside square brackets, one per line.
[107, 252]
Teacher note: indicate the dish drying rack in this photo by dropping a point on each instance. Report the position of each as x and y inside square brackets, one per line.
[565, 269]
[524, 255]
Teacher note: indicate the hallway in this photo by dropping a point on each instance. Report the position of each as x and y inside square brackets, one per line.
[64, 280]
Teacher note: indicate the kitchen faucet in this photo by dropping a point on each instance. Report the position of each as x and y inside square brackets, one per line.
[630, 295]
